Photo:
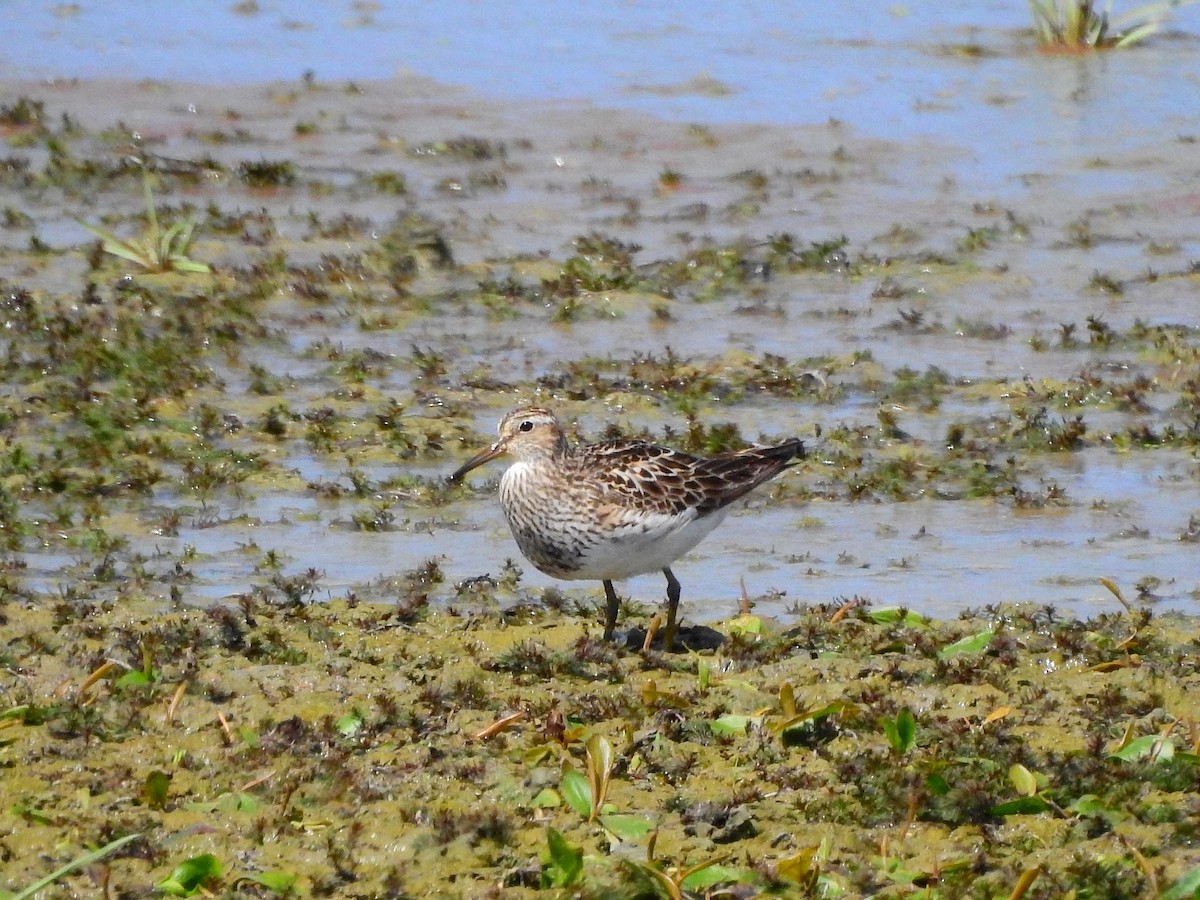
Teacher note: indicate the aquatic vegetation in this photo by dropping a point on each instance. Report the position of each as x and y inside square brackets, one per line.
[816, 723]
[265, 173]
[1081, 25]
[471, 149]
[183, 645]
[158, 249]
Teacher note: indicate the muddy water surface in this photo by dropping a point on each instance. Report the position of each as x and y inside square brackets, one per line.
[994, 296]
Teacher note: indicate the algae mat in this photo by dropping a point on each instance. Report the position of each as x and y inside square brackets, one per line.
[354, 750]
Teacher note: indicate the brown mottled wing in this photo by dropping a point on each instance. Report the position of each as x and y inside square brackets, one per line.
[742, 471]
[645, 476]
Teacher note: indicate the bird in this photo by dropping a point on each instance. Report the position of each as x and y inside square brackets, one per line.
[614, 509]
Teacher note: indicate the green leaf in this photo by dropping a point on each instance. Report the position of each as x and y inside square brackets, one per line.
[892, 615]
[626, 826]
[350, 724]
[1023, 780]
[563, 863]
[246, 803]
[128, 252]
[155, 789]
[166, 240]
[547, 798]
[229, 802]
[1151, 747]
[714, 875]
[975, 643]
[1023, 806]
[182, 264]
[1186, 888]
[730, 724]
[577, 792]
[902, 733]
[190, 875]
[276, 882]
[16, 712]
[599, 767]
[134, 677]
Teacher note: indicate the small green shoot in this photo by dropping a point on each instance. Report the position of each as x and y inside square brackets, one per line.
[31, 814]
[547, 798]
[694, 878]
[192, 876]
[142, 677]
[703, 676]
[797, 722]
[158, 249]
[229, 802]
[599, 770]
[710, 874]
[1033, 799]
[350, 724]
[562, 863]
[787, 700]
[901, 732]
[587, 795]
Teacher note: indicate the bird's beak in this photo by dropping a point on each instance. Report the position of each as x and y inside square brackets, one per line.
[483, 456]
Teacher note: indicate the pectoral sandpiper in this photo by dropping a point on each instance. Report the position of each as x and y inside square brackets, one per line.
[616, 509]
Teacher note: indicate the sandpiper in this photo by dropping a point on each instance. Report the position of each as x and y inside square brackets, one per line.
[615, 509]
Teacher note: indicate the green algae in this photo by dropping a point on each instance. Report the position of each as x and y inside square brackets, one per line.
[354, 747]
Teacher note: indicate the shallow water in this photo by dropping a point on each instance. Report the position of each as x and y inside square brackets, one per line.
[938, 120]
[896, 71]
[938, 557]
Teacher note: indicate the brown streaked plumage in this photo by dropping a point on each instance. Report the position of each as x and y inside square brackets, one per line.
[616, 509]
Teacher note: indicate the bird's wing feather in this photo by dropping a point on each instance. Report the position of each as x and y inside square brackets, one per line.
[653, 478]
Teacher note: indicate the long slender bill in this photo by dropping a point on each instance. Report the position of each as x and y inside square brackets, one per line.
[476, 461]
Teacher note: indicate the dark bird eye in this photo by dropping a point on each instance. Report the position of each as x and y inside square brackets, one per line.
[525, 426]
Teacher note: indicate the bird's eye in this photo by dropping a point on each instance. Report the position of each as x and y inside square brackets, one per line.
[525, 426]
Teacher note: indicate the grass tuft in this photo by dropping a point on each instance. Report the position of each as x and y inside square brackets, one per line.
[1077, 26]
[158, 249]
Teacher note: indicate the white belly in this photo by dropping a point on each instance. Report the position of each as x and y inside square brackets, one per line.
[648, 544]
